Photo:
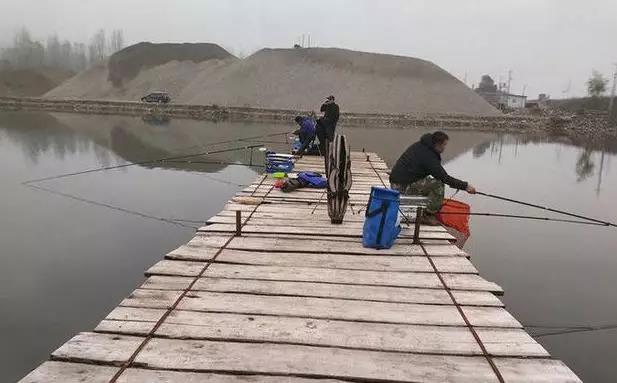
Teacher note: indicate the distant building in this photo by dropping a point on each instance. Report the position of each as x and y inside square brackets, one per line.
[499, 98]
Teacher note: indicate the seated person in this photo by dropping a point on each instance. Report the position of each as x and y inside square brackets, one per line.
[306, 132]
[419, 172]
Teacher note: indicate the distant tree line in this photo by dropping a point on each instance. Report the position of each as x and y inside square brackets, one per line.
[27, 53]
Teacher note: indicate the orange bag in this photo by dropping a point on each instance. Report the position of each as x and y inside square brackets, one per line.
[455, 214]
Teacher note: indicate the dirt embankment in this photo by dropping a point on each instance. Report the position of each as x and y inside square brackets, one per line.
[296, 79]
[30, 82]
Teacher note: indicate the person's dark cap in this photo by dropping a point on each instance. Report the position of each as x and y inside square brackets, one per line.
[298, 118]
[331, 98]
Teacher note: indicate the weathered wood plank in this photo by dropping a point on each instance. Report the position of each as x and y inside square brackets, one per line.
[151, 298]
[247, 358]
[352, 292]
[175, 268]
[157, 282]
[510, 342]
[125, 327]
[320, 332]
[490, 317]
[138, 375]
[64, 372]
[95, 347]
[323, 227]
[331, 261]
[316, 246]
[324, 308]
[535, 371]
[470, 282]
[304, 219]
[136, 315]
[308, 274]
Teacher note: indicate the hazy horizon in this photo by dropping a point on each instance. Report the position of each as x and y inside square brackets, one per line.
[546, 45]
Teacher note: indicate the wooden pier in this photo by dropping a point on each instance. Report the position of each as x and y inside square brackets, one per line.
[296, 299]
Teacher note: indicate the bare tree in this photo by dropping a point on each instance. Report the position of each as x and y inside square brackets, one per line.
[596, 85]
[25, 53]
[116, 41]
[53, 53]
[98, 47]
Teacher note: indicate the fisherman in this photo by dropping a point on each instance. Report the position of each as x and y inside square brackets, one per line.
[326, 125]
[419, 172]
[306, 132]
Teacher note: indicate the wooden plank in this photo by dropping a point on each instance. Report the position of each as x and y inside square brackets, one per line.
[138, 375]
[151, 298]
[510, 342]
[473, 298]
[176, 268]
[516, 370]
[157, 282]
[490, 317]
[303, 219]
[251, 358]
[125, 327]
[332, 230]
[352, 292]
[315, 246]
[334, 261]
[325, 308]
[320, 332]
[321, 290]
[63, 372]
[109, 348]
[140, 315]
[470, 282]
[308, 274]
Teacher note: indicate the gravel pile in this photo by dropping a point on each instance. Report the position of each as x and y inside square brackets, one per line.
[295, 79]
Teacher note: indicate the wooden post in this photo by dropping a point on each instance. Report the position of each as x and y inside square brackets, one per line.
[238, 223]
[416, 229]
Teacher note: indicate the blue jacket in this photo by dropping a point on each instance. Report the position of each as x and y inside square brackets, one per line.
[307, 126]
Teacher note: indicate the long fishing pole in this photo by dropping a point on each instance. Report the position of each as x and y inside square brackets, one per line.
[137, 163]
[523, 217]
[605, 223]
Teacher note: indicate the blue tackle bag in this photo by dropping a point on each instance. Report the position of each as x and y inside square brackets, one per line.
[381, 219]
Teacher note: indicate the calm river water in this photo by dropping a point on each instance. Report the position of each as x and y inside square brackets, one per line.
[71, 248]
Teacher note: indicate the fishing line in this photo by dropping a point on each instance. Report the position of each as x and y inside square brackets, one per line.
[605, 223]
[117, 208]
[524, 217]
[135, 163]
[157, 160]
[572, 329]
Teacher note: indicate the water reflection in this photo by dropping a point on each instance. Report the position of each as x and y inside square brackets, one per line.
[590, 161]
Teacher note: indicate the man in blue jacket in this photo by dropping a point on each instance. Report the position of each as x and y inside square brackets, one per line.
[306, 132]
[419, 172]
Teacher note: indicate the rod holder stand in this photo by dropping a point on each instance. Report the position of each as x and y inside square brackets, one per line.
[238, 223]
[416, 228]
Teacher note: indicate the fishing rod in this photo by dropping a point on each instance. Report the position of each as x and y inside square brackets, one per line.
[137, 163]
[524, 217]
[604, 223]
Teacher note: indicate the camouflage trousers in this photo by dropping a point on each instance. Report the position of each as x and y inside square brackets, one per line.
[427, 187]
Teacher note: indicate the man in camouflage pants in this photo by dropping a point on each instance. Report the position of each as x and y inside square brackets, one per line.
[428, 187]
[419, 172]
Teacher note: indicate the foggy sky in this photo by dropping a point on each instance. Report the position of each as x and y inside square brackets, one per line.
[546, 43]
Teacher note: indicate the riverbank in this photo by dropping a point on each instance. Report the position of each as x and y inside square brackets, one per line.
[592, 127]
[220, 113]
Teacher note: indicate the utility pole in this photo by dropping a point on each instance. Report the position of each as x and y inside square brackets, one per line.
[612, 114]
[509, 80]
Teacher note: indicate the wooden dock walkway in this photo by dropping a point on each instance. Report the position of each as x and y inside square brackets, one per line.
[297, 299]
